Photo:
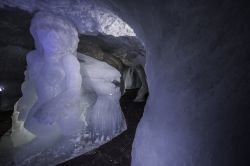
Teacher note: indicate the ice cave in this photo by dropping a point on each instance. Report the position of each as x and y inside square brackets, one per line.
[124, 82]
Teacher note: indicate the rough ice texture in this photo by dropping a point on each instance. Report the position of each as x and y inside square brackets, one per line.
[88, 15]
[60, 116]
[105, 119]
[197, 67]
[50, 106]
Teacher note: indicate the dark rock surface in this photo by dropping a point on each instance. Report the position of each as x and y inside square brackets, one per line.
[124, 50]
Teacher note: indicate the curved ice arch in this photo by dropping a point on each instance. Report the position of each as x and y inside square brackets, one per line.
[55, 111]
[89, 16]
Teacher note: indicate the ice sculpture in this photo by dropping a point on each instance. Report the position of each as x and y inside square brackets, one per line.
[66, 109]
[53, 79]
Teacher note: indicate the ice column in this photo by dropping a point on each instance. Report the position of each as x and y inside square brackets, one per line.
[105, 119]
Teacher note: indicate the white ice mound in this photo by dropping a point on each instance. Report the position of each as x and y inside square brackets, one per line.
[60, 116]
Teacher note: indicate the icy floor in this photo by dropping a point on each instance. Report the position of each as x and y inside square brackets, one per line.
[64, 149]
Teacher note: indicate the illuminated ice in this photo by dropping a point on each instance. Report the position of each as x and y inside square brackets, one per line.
[50, 106]
[105, 119]
[1, 88]
[67, 107]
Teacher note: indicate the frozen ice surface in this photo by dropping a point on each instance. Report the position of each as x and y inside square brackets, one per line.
[67, 108]
[105, 118]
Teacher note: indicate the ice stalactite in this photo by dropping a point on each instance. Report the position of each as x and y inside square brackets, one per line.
[131, 78]
[105, 118]
[135, 77]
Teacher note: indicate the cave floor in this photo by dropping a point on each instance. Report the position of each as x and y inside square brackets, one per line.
[117, 152]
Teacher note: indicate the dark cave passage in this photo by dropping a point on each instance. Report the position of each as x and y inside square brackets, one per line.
[5, 120]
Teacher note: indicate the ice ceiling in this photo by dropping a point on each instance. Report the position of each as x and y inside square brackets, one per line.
[87, 15]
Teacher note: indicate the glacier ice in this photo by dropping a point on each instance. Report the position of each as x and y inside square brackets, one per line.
[105, 118]
[69, 106]
[198, 96]
[50, 106]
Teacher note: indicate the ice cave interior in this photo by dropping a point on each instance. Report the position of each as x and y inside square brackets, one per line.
[72, 73]
[66, 64]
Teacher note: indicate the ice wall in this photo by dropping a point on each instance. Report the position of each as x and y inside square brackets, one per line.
[197, 67]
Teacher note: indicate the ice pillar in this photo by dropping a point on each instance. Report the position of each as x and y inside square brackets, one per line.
[50, 105]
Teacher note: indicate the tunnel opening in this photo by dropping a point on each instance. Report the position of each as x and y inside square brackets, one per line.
[119, 52]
